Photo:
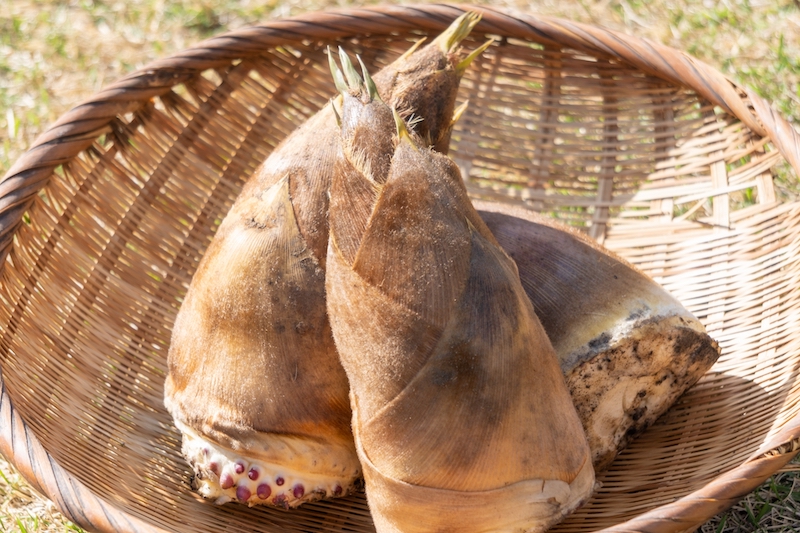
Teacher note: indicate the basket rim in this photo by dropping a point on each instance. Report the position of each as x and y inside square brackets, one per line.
[77, 129]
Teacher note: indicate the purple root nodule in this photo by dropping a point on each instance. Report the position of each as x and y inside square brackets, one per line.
[253, 474]
[263, 491]
[280, 481]
[226, 481]
[298, 491]
[281, 501]
[242, 493]
[214, 467]
[238, 467]
[337, 490]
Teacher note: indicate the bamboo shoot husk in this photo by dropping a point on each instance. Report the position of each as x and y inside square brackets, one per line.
[254, 381]
[461, 416]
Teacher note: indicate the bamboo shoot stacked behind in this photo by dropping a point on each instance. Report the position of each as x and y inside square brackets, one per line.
[627, 347]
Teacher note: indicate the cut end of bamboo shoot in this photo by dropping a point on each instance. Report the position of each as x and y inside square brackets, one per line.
[622, 385]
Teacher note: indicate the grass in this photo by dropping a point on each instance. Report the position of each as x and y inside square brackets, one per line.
[774, 507]
[54, 53]
[24, 510]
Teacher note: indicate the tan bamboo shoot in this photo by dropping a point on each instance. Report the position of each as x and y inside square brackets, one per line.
[254, 382]
[461, 416]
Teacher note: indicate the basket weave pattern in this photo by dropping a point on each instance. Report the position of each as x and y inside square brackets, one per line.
[104, 220]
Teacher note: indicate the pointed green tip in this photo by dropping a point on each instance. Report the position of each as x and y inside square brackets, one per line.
[467, 61]
[353, 79]
[372, 89]
[402, 132]
[459, 111]
[412, 49]
[457, 31]
[338, 78]
[336, 113]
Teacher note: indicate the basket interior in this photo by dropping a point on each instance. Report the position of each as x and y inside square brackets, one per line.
[678, 187]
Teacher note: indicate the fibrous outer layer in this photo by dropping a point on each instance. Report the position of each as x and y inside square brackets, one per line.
[251, 384]
[461, 416]
[627, 347]
[254, 382]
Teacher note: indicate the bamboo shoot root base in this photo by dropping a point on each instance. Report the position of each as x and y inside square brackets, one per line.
[225, 475]
[530, 506]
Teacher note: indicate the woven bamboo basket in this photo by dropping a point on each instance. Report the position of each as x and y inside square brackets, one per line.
[103, 221]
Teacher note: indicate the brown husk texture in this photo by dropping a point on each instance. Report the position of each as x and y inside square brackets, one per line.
[249, 349]
[252, 352]
[454, 384]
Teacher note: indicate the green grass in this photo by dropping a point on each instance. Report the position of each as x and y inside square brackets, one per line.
[23, 510]
[55, 53]
[774, 507]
